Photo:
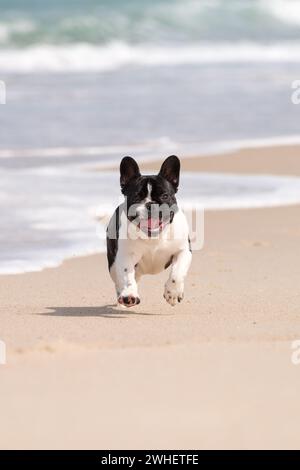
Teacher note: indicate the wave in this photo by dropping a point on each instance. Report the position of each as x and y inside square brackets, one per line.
[286, 11]
[108, 156]
[154, 21]
[149, 146]
[100, 36]
[89, 58]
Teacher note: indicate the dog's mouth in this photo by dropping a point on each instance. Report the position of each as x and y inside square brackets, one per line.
[152, 225]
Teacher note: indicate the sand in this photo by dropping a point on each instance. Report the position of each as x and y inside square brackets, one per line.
[212, 372]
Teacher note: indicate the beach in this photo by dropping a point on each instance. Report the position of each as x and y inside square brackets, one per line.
[212, 372]
[83, 84]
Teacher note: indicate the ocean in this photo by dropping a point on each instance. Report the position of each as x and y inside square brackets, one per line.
[89, 82]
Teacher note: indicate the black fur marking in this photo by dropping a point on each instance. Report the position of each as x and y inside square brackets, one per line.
[169, 262]
[170, 171]
[112, 237]
[129, 170]
[190, 245]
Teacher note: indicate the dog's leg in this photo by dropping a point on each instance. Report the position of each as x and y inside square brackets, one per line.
[174, 286]
[126, 285]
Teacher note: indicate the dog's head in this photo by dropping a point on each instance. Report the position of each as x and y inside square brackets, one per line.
[151, 202]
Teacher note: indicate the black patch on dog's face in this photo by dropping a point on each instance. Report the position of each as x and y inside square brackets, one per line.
[162, 191]
[160, 201]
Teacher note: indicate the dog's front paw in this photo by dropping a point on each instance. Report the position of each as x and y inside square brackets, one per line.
[128, 296]
[173, 291]
[128, 300]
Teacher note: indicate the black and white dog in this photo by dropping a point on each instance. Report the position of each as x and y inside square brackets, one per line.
[148, 232]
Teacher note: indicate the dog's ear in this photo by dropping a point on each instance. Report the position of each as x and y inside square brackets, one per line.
[170, 170]
[129, 169]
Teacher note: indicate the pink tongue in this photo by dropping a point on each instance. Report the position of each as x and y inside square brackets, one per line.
[153, 223]
[149, 224]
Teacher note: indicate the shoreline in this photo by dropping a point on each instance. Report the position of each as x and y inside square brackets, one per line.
[278, 161]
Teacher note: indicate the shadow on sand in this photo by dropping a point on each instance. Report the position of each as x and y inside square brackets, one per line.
[105, 311]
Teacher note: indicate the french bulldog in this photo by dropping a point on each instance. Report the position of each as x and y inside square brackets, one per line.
[148, 232]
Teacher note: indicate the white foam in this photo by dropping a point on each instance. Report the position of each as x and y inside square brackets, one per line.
[145, 151]
[160, 144]
[287, 11]
[87, 57]
[7, 29]
[219, 191]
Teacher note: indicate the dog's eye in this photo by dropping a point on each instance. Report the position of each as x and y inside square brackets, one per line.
[164, 196]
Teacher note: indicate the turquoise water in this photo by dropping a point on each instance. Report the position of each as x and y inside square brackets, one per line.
[95, 35]
[146, 21]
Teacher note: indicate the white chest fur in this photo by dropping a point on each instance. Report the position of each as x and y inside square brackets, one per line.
[157, 253]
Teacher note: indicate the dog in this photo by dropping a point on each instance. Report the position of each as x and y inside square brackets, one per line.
[148, 232]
